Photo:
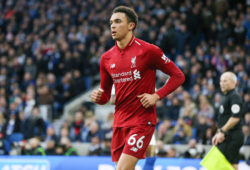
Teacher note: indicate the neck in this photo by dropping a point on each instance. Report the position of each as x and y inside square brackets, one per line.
[226, 92]
[124, 42]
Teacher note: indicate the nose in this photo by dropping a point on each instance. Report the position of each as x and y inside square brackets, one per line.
[112, 26]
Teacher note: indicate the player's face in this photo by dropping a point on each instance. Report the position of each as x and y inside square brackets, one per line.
[119, 26]
[226, 83]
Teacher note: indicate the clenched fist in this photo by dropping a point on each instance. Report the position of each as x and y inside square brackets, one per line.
[96, 95]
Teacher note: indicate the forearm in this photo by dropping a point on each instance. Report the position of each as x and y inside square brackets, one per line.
[230, 124]
[106, 83]
[173, 83]
[104, 98]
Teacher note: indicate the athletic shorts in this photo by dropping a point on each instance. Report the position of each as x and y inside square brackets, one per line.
[131, 140]
[231, 146]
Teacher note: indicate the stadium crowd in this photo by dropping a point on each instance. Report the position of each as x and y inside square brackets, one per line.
[50, 52]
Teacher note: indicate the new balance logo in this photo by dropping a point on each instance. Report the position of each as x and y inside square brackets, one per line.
[112, 66]
[137, 74]
[167, 60]
[134, 149]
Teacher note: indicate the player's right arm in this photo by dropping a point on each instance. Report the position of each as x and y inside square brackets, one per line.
[102, 95]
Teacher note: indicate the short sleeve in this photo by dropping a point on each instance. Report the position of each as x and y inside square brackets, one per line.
[236, 106]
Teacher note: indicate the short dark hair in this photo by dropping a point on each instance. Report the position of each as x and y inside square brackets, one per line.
[129, 12]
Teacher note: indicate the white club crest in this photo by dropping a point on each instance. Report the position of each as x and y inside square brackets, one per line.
[235, 108]
[133, 61]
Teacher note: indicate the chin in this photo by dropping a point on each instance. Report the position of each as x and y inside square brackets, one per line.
[115, 38]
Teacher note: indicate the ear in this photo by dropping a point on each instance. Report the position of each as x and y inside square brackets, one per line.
[131, 26]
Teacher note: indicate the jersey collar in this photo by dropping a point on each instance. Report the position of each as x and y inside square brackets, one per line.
[229, 92]
[128, 45]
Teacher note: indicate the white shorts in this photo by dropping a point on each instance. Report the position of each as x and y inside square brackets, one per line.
[153, 140]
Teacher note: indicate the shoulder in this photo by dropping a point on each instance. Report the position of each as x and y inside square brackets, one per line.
[235, 96]
[146, 45]
[150, 48]
[108, 53]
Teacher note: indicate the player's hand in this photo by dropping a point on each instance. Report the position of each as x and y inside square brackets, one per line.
[96, 95]
[218, 138]
[214, 140]
[148, 100]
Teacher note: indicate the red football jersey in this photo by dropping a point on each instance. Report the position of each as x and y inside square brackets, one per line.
[132, 70]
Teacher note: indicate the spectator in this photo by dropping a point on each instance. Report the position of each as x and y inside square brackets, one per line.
[182, 132]
[50, 135]
[207, 140]
[34, 125]
[188, 111]
[201, 129]
[64, 132]
[246, 133]
[76, 127]
[95, 146]
[45, 97]
[107, 126]
[161, 110]
[30, 67]
[174, 109]
[29, 104]
[205, 109]
[93, 131]
[50, 147]
[171, 153]
[106, 147]
[165, 132]
[11, 131]
[68, 149]
[35, 148]
[193, 151]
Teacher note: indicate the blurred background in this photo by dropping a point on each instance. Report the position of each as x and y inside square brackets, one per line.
[49, 62]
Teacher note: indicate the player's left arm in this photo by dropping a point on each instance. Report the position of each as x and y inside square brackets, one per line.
[157, 60]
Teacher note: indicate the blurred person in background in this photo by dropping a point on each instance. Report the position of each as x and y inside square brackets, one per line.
[201, 129]
[50, 134]
[50, 147]
[11, 131]
[76, 126]
[33, 147]
[165, 131]
[95, 147]
[68, 149]
[34, 125]
[171, 152]
[229, 137]
[193, 150]
[246, 132]
[182, 132]
[94, 130]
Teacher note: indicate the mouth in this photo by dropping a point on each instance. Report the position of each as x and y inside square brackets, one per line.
[113, 33]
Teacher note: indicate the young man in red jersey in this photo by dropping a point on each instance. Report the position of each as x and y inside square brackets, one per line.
[131, 66]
